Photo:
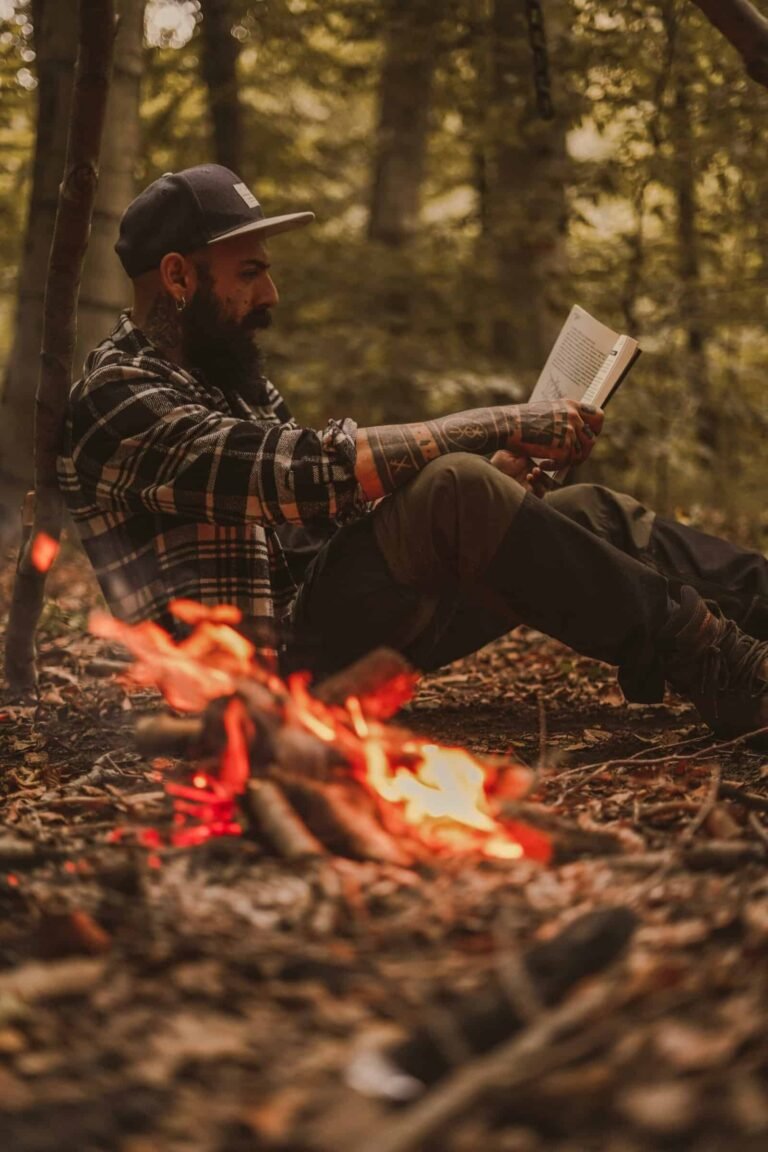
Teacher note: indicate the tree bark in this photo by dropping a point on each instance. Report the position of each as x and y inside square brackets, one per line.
[745, 28]
[105, 288]
[55, 40]
[96, 29]
[104, 285]
[405, 90]
[691, 300]
[525, 207]
[219, 53]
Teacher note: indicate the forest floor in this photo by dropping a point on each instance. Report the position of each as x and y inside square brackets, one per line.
[218, 999]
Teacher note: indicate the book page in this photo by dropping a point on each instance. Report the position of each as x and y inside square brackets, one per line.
[577, 357]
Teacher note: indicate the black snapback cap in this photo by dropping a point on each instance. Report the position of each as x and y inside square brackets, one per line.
[183, 211]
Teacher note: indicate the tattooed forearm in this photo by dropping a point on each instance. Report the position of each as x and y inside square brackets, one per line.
[392, 454]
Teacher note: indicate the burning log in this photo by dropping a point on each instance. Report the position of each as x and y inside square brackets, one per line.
[278, 823]
[345, 818]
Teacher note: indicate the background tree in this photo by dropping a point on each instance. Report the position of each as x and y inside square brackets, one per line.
[219, 53]
[104, 287]
[54, 40]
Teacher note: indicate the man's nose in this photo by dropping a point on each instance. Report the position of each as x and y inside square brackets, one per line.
[266, 296]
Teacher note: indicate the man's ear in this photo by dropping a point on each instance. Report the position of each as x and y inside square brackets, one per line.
[178, 277]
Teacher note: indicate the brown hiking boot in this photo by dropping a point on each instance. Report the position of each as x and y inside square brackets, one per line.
[718, 667]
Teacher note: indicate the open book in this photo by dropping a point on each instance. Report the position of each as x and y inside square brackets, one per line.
[588, 362]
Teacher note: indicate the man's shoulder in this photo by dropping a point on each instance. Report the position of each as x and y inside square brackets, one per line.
[127, 360]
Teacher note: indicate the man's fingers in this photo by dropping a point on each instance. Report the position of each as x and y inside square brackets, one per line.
[592, 417]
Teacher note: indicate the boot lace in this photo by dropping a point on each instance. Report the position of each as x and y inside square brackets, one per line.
[735, 662]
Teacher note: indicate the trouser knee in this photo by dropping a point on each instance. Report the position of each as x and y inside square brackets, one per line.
[613, 516]
[444, 527]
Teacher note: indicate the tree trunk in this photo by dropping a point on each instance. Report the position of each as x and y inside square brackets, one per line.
[691, 308]
[526, 213]
[746, 28]
[405, 90]
[96, 32]
[105, 288]
[219, 52]
[55, 25]
[104, 285]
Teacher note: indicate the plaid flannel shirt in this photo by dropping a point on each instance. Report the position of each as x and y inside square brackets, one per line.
[176, 489]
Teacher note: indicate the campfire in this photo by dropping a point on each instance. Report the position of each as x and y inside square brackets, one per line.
[310, 769]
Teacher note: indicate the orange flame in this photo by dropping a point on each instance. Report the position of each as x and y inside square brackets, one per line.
[44, 551]
[445, 793]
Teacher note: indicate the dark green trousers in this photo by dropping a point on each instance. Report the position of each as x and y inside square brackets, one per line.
[461, 555]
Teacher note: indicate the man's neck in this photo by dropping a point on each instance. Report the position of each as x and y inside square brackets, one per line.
[159, 321]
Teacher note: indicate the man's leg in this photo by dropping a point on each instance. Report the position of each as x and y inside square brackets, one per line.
[463, 530]
[460, 529]
[735, 578]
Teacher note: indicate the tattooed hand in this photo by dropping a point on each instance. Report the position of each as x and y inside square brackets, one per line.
[563, 431]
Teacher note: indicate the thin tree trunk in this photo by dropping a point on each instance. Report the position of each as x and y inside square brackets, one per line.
[96, 27]
[405, 91]
[55, 40]
[524, 242]
[746, 28]
[218, 64]
[691, 300]
[105, 288]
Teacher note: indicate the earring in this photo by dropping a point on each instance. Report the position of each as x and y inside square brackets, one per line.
[181, 303]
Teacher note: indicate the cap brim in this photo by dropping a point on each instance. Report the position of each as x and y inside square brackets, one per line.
[270, 226]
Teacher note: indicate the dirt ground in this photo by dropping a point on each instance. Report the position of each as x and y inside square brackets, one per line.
[217, 999]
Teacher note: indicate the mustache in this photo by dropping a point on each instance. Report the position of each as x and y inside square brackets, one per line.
[258, 318]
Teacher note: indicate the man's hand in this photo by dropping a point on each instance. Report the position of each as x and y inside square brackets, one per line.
[563, 431]
[523, 470]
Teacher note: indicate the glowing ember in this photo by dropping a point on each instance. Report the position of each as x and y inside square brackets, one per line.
[444, 793]
[43, 551]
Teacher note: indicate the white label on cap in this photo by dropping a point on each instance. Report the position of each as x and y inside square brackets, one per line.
[247, 195]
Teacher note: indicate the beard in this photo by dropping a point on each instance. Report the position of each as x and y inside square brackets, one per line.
[224, 350]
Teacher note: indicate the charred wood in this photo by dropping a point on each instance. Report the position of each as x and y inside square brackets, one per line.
[487, 1018]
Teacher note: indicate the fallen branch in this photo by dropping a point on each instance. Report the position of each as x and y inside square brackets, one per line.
[510, 1066]
[34, 981]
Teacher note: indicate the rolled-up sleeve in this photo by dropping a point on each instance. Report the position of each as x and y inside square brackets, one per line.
[139, 443]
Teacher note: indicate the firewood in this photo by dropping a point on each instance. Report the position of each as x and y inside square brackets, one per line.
[382, 681]
[345, 819]
[568, 839]
[274, 819]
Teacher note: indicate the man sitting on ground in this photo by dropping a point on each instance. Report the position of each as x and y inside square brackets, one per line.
[183, 465]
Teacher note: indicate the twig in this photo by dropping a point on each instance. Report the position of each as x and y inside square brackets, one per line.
[756, 825]
[748, 799]
[595, 768]
[706, 808]
[530, 1054]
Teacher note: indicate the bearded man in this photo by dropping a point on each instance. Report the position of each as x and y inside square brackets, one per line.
[183, 467]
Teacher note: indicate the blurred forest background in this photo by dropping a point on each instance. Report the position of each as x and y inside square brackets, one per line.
[457, 221]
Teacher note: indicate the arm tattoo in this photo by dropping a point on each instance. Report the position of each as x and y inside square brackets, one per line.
[392, 454]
